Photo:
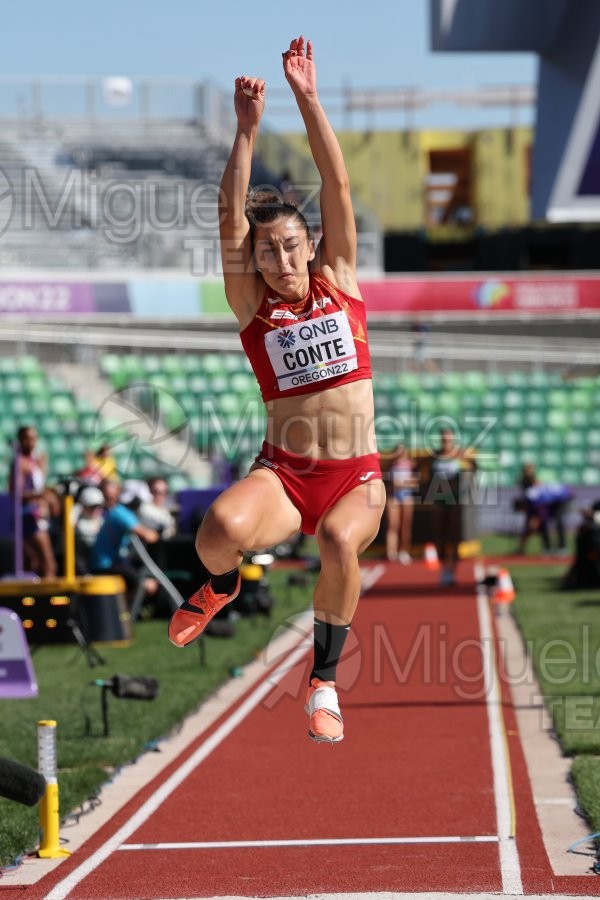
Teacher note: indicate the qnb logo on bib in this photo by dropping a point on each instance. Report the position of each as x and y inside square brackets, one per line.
[311, 352]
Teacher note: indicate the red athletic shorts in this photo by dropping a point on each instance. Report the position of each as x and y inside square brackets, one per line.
[315, 485]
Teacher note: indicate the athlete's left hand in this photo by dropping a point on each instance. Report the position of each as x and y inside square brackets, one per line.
[299, 68]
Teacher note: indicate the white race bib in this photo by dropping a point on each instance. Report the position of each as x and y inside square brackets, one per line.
[313, 351]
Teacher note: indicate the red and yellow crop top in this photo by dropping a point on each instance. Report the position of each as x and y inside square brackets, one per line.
[303, 347]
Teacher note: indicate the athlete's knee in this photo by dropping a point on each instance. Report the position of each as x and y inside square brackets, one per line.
[224, 522]
[337, 540]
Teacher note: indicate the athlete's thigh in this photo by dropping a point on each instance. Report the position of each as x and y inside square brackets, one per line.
[260, 506]
[355, 516]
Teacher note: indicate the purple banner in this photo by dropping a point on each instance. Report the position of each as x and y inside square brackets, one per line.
[16, 680]
[13, 670]
[17, 675]
[46, 297]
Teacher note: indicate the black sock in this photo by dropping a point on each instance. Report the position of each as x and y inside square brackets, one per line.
[329, 642]
[224, 584]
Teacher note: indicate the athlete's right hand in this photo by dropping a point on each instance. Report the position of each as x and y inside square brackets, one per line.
[249, 99]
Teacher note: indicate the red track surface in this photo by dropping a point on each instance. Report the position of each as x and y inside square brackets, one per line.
[415, 763]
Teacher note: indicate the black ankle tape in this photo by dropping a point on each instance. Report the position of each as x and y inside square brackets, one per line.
[224, 584]
[329, 643]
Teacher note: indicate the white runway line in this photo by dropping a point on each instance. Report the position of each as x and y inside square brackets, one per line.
[368, 577]
[510, 866]
[325, 842]
[64, 887]
[387, 895]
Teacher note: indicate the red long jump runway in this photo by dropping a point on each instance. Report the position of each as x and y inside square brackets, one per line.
[415, 799]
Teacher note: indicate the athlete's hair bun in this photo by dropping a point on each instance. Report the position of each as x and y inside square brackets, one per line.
[264, 205]
[261, 198]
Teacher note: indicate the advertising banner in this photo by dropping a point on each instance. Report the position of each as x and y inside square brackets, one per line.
[536, 295]
[548, 295]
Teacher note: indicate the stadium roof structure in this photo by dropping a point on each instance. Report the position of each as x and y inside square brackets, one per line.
[566, 36]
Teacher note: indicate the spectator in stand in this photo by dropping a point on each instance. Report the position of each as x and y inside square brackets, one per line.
[28, 477]
[543, 505]
[447, 465]
[155, 512]
[99, 466]
[399, 507]
[109, 553]
[88, 516]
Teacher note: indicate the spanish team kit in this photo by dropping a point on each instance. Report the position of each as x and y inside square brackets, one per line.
[298, 348]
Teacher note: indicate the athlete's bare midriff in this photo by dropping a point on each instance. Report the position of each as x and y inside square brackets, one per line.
[328, 424]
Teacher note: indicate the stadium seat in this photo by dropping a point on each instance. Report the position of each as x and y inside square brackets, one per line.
[528, 439]
[514, 399]
[590, 476]
[474, 380]
[536, 399]
[171, 364]
[492, 401]
[534, 418]
[198, 382]
[572, 460]
[513, 419]
[29, 364]
[592, 438]
[559, 398]
[110, 364]
[213, 364]
[558, 419]
[551, 459]
[549, 476]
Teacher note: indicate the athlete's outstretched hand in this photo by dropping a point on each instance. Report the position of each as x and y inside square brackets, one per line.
[249, 100]
[299, 68]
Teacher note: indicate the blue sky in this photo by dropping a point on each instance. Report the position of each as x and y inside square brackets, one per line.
[377, 43]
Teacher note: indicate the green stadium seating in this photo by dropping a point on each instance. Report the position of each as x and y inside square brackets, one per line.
[536, 416]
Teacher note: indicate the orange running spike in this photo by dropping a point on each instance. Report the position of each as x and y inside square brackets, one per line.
[192, 617]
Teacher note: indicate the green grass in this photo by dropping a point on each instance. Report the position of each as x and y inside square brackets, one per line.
[506, 545]
[86, 758]
[560, 630]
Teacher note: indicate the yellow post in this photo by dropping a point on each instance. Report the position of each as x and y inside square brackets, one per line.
[69, 540]
[49, 820]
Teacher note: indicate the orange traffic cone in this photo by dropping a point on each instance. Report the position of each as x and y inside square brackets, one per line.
[505, 589]
[431, 557]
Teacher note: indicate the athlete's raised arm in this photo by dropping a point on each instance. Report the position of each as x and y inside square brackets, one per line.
[241, 281]
[337, 250]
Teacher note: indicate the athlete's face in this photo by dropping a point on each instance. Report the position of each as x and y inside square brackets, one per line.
[28, 441]
[282, 251]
